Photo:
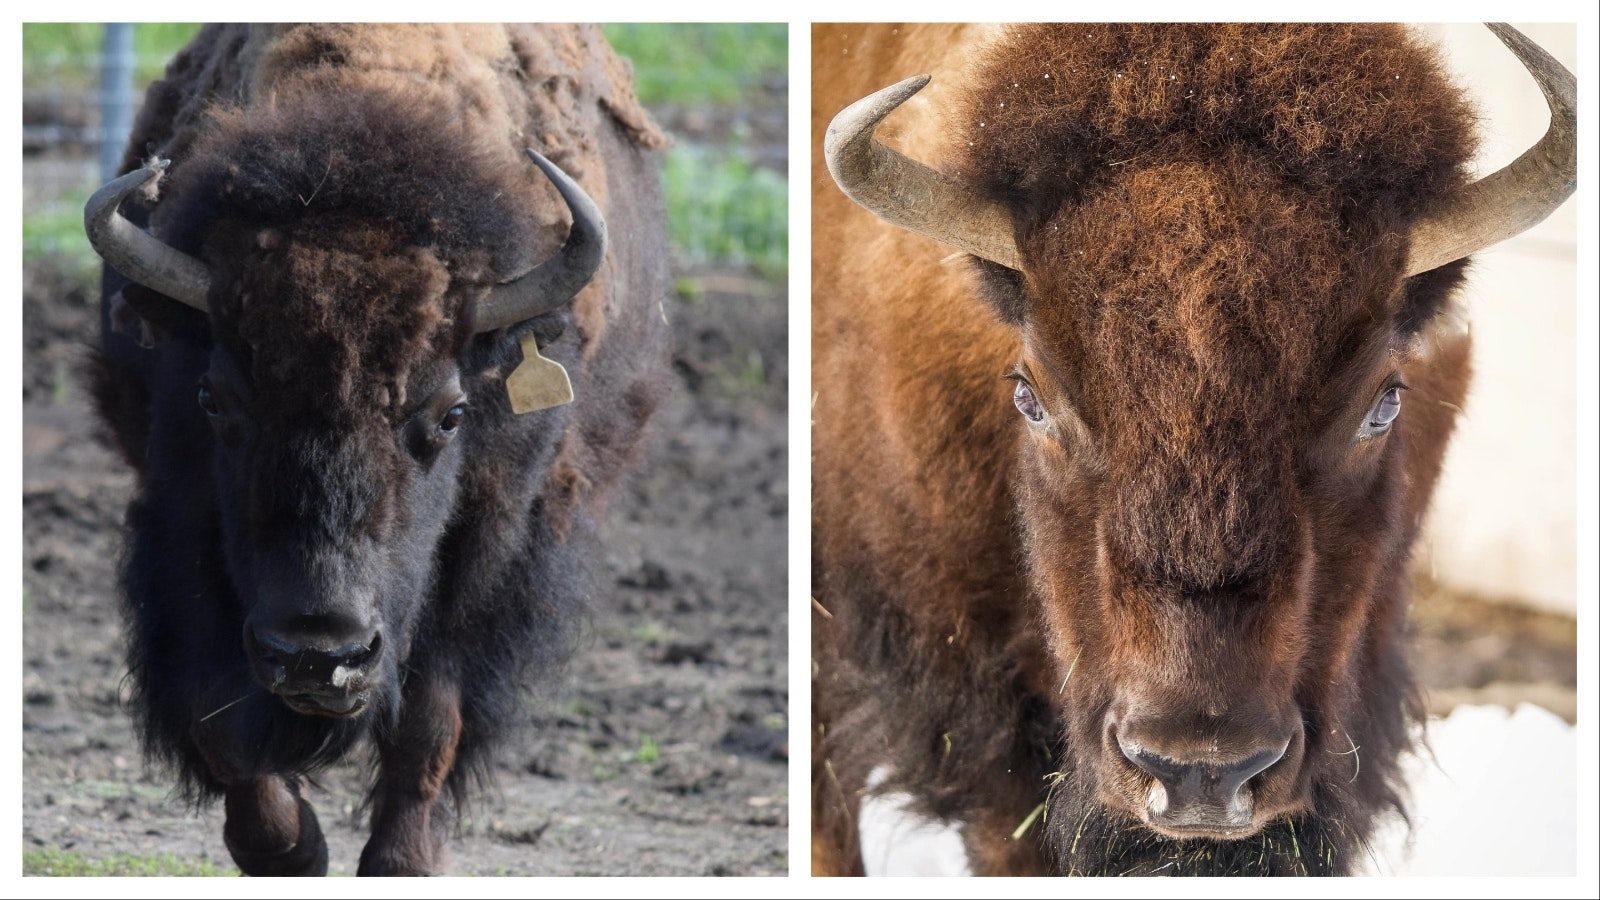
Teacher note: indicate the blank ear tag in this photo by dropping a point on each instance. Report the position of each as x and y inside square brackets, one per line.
[537, 383]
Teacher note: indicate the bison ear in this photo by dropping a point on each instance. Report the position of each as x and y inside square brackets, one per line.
[1427, 293]
[502, 348]
[1000, 287]
[143, 311]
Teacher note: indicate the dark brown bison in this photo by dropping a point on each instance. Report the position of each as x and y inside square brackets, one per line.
[1113, 489]
[336, 303]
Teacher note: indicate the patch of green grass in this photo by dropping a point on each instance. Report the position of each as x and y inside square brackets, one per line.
[752, 376]
[687, 289]
[693, 63]
[722, 208]
[56, 232]
[574, 708]
[65, 54]
[648, 752]
[60, 54]
[51, 861]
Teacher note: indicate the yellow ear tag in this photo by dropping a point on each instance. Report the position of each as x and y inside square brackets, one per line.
[537, 383]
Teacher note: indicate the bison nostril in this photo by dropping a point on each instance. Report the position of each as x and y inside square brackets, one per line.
[298, 660]
[355, 662]
[1200, 793]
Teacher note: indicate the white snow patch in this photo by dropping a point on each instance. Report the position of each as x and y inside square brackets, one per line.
[1501, 799]
[897, 841]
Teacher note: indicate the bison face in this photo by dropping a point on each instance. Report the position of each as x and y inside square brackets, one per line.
[331, 534]
[1214, 489]
[336, 403]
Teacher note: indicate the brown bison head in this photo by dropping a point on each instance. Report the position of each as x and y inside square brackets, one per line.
[1227, 252]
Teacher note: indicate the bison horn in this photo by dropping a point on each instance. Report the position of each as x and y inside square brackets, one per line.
[1522, 194]
[907, 193]
[556, 280]
[133, 252]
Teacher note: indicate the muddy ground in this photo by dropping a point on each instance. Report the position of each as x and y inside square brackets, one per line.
[664, 753]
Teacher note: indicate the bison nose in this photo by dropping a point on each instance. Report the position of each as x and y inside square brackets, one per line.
[301, 660]
[1202, 795]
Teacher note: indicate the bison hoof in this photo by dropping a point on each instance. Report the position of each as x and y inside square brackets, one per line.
[308, 855]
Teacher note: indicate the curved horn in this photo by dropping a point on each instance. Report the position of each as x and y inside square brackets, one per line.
[135, 253]
[556, 280]
[1522, 194]
[907, 193]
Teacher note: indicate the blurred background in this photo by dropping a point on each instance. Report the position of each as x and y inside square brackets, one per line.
[667, 752]
[1498, 568]
[717, 88]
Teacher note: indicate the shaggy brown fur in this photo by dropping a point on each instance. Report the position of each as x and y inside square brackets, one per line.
[1198, 544]
[353, 470]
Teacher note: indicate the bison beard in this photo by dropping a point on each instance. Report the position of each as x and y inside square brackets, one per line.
[351, 543]
[1088, 841]
[1112, 517]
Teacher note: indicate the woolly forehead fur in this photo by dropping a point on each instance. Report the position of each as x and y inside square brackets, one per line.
[337, 224]
[1361, 113]
[1206, 216]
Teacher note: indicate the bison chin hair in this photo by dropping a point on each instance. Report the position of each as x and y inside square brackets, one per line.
[254, 733]
[1087, 838]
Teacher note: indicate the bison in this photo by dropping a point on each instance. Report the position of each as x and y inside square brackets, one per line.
[354, 273]
[1113, 491]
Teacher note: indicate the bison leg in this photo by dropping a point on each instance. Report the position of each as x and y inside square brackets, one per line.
[410, 817]
[271, 829]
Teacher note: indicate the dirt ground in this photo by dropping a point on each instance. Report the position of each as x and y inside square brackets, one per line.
[665, 753]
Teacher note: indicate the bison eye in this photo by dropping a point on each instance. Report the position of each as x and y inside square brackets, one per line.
[208, 401]
[1026, 402]
[452, 420]
[1383, 413]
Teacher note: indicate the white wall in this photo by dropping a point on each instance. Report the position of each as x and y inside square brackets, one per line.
[1505, 516]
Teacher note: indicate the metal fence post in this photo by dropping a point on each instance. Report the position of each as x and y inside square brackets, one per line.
[116, 96]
